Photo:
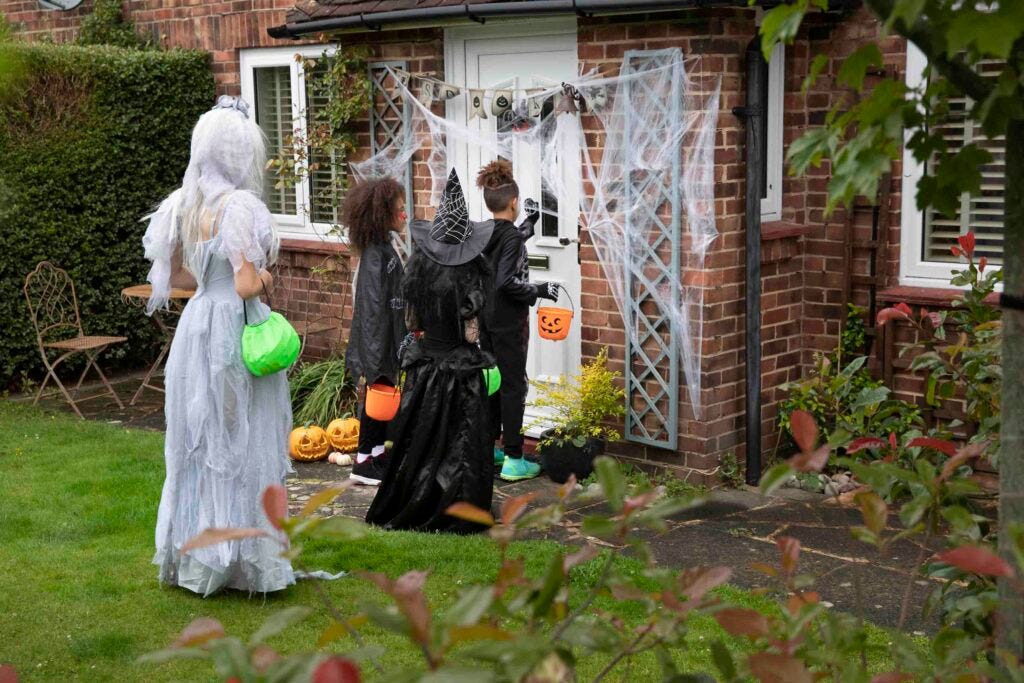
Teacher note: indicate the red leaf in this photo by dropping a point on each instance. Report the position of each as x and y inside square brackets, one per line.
[905, 309]
[892, 440]
[8, 674]
[201, 630]
[695, 583]
[470, 513]
[337, 670]
[215, 536]
[887, 314]
[262, 656]
[976, 560]
[567, 488]
[892, 677]
[982, 262]
[966, 243]
[796, 602]
[965, 454]
[275, 504]
[804, 429]
[581, 556]
[790, 549]
[512, 508]
[639, 501]
[935, 319]
[742, 622]
[407, 592]
[813, 461]
[947, 447]
[768, 667]
[863, 442]
[955, 251]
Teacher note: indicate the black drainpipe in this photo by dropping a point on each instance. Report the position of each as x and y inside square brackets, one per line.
[754, 116]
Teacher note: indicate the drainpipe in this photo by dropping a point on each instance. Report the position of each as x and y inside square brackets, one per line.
[753, 115]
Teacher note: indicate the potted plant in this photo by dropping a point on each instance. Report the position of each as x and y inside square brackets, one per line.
[578, 407]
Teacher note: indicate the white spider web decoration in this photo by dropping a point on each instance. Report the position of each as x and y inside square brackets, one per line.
[451, 224]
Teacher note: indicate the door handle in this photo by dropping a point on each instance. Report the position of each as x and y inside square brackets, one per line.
[566, 241]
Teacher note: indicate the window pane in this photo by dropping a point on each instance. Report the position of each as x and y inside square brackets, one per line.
[274, 116]
[982, 213]
[324, 178]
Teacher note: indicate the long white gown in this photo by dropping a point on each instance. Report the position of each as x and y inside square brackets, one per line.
[227, 431]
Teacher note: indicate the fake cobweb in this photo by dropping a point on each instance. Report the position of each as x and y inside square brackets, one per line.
[640, 157]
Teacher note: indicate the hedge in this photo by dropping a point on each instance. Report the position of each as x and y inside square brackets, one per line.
[91, 139]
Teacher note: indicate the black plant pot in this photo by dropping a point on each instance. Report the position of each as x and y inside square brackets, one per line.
[561, 460]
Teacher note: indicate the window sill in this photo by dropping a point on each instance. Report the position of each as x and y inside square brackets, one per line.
[937, 297]
[314, 245]
[778, 230]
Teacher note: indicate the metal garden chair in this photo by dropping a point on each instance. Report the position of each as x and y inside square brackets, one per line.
[53, 307]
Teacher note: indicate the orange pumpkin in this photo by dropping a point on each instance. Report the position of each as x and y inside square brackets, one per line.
[344, 434]
[553, 323]
[308, 444]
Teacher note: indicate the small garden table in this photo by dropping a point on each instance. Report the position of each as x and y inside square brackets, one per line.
[139, 295]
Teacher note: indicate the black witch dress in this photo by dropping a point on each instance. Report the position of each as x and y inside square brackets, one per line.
[442, 451]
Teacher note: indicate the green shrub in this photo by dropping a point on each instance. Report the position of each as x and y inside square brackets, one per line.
[322, 392]
[91, 139]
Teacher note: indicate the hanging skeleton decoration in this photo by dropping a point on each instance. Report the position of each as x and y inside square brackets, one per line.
[476, 104]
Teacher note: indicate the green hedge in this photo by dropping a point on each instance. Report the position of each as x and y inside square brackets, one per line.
[91, 139]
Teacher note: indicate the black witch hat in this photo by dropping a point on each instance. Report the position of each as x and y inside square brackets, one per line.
[451, 239]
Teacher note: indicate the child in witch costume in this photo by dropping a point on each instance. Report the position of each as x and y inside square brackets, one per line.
[372, 210]
[506, 323]
[442, 449]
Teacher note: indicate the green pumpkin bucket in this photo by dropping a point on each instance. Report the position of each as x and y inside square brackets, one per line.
[492, 378]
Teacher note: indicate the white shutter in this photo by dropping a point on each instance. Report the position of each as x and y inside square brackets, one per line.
[982, 213]
[274, 116]
[322, 196]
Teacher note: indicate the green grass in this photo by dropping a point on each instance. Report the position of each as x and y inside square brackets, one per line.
[79, 597]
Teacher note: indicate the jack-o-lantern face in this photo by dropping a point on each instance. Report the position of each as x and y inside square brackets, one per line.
[343, 434]
[307, 444]
[553, 323]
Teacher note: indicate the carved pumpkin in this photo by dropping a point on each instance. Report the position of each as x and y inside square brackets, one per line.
[308, 444]
[344, 434]
[553, 323]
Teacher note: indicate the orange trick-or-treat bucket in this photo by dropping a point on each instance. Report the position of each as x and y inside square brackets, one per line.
[554, 322]
[382, 401]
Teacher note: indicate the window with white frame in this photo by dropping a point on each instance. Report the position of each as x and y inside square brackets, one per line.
[277, 86]
[771, 149]
[927, 236]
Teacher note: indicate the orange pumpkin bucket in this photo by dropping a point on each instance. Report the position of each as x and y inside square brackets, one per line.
[553, 322]
[382, 402]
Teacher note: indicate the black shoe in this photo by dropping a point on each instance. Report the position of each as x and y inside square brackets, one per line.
[380, 464]
[366, 472]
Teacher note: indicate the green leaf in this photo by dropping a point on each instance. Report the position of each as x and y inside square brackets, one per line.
[818, 65]
[278, 622]
[991, 33]
[592, 633]
[912, 512]
[388, 618]
[870, 396]
[780, 24]
[854, 68]
[553, 580]
[339, 528]
[599, 527]
[775, 477]
[231, 659]
[904, 10]
[722, 658]
[613, 483]
[472, 604]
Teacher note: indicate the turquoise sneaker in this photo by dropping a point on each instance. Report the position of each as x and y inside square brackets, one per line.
[499, 455]
[519, 469]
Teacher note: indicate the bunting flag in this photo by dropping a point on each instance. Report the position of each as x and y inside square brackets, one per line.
[502, 101]
[476, 104]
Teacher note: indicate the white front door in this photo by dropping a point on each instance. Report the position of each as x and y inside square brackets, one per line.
[524, 56]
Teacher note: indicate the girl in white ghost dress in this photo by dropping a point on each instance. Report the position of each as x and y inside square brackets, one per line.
[227, 430]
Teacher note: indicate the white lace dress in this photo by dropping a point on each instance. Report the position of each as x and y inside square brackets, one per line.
[227, 431]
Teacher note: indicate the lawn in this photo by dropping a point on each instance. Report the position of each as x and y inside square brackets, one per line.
[80, 599]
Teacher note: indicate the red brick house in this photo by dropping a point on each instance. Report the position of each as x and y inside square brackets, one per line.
[810, 264]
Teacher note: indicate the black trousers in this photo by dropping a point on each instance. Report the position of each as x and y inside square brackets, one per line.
[509, 347]
[372, 433]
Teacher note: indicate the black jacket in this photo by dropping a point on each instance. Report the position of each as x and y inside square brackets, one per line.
[513, 291]
[378, 316]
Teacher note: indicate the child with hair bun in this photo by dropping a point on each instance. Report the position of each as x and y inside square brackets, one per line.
[506, 327]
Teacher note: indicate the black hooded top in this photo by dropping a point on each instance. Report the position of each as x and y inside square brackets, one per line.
[378, 316]
[513, 291]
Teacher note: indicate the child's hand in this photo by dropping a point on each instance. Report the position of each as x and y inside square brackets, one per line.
[548, 290]
[532, 211]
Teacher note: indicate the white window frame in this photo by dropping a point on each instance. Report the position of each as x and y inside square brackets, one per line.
[298, 225]
[915, 271]
[771, 204]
